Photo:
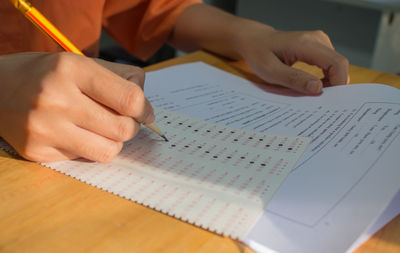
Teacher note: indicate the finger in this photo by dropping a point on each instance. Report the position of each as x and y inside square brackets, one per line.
[47, 154]
[322, 38]
[96, 118]
[334, 65]
[89, 145]
[52, 155]
[116, 93]
[61, 155]
[125, 71]
[279, 73]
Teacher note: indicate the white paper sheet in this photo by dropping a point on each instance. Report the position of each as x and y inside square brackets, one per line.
[346, 178]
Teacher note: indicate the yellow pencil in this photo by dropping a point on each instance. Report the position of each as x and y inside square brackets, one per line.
[50, 30]
[44, 25]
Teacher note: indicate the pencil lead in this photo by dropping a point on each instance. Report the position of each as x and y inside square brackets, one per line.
[165, 138]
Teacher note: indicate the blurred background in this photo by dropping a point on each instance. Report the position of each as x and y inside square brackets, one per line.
[367, 32]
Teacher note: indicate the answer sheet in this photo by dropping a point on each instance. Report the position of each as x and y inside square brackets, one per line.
[213, 176]
[349, 173]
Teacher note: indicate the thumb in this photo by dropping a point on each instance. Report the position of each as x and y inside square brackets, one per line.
[297, 80]
[276, 72]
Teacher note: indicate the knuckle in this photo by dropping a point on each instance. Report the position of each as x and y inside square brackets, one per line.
[323, 38]
[317, 35]
[34, 127]
[35, 135]
[138, 76]
[122, 132]
[32, 150]
[136, 128]
[343, 61]
[320, 33]
[132, 101]
[48, 101]
[340, 62]
[125, 130]
[45, 101]
[63, 63]
[29, 152]
[38, 153]
[304, 37]
[294, 78]
[297, 81]
[108, 154]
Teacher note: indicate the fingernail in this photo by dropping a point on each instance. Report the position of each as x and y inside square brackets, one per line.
[314, 86]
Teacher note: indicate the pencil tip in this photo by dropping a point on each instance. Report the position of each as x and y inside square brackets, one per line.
[165, 138]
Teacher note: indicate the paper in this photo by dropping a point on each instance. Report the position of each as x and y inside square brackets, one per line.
[213, 176]
[347, 176]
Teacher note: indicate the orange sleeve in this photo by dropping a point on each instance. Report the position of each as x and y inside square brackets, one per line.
[144, 27]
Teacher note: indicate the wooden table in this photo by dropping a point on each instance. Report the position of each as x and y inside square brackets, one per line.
[44, 211]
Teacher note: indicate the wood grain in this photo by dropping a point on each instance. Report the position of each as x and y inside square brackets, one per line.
[45, 211]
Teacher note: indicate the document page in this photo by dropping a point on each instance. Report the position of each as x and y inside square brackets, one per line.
[349, 173]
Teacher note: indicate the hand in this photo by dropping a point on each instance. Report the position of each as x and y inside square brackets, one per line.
[270, 54]
[57, 106]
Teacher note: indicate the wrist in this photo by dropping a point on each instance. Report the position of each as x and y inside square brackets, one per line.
[247, 32]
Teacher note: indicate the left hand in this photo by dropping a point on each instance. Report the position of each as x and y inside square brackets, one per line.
[270, 53]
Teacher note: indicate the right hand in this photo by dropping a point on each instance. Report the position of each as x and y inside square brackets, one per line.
[57, 106]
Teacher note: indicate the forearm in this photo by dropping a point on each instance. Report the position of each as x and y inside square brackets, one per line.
[205, 27]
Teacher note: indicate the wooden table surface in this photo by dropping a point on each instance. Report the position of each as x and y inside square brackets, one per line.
[44, 211]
